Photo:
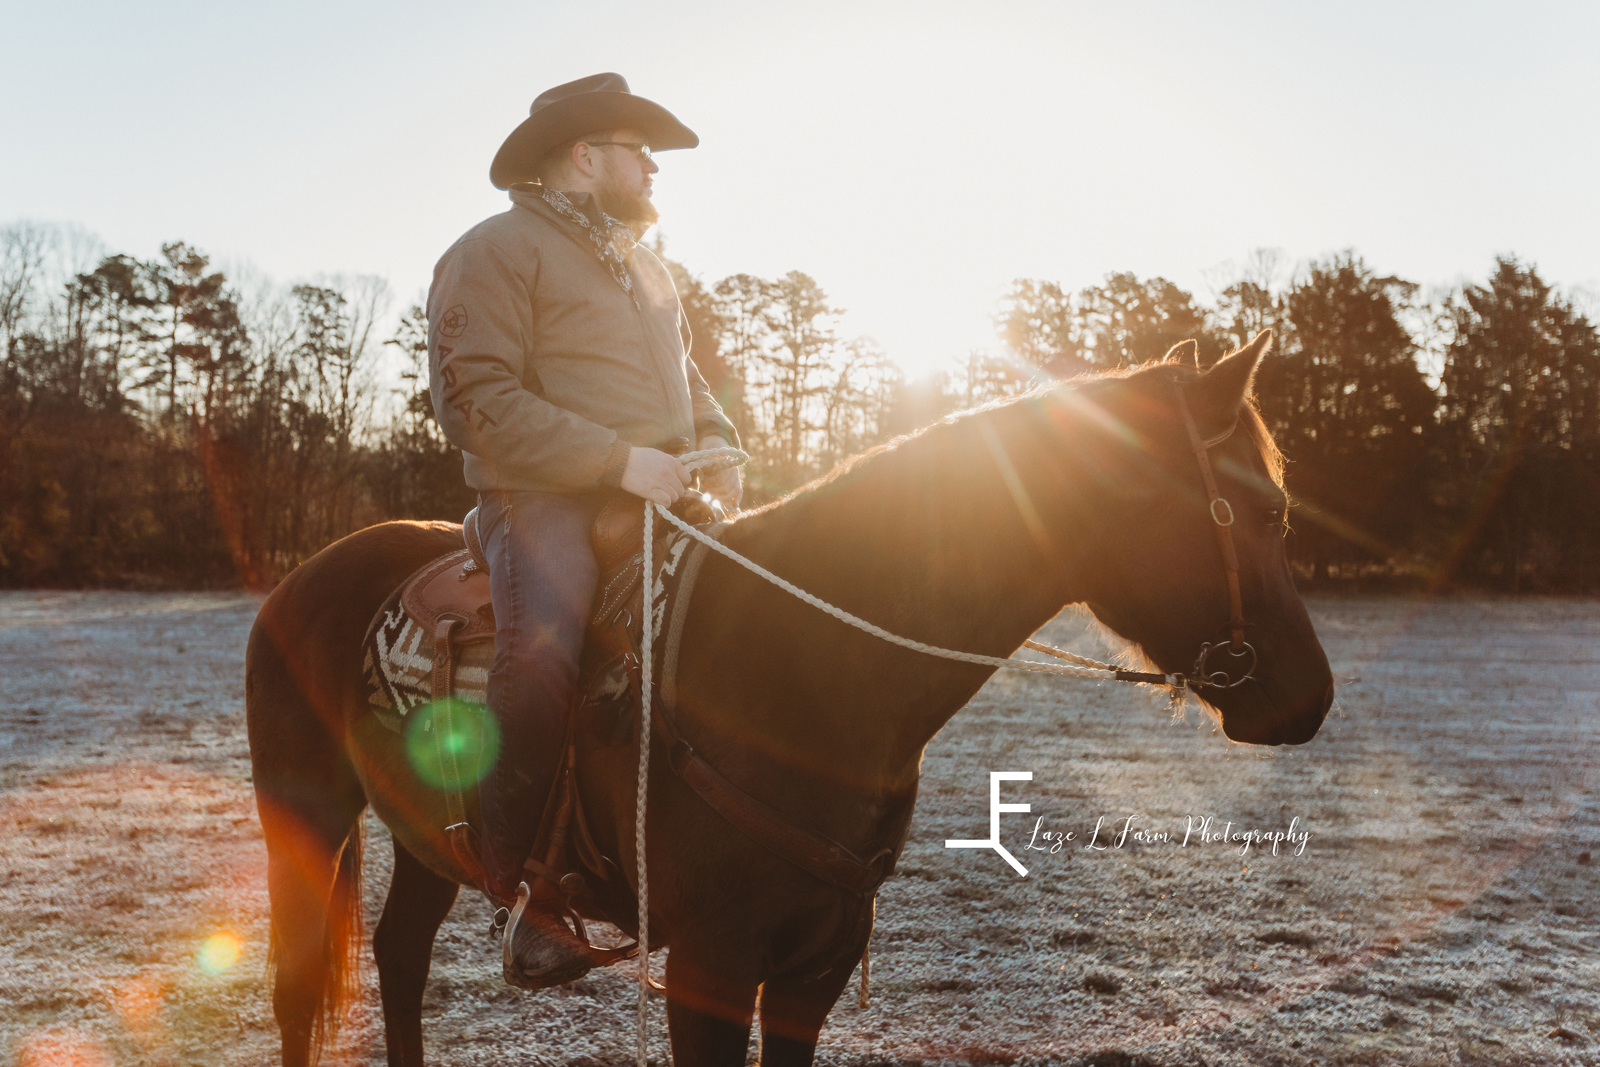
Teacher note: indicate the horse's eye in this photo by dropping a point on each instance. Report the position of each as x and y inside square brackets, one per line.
[1275, 516]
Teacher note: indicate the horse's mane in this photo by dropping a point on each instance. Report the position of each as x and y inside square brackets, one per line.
[1250, 421]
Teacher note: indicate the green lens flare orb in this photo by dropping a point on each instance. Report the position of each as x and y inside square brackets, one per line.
[452, 743]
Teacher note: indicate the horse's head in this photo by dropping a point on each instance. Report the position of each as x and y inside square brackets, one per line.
[1161, 576]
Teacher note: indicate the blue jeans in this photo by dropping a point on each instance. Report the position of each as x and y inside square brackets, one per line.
[542, 578]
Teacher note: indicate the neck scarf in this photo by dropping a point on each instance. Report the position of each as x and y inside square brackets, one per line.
[613, 240]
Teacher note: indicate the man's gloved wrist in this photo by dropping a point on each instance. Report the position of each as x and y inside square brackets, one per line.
[616, 464]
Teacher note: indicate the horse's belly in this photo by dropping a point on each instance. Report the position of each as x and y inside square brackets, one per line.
[415, 811]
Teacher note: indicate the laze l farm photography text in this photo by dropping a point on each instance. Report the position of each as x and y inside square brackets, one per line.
[1111, 833]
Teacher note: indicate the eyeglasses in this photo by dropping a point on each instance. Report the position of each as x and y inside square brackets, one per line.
[640, 150]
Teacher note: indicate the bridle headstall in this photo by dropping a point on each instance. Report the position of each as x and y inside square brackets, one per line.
[1221, 513]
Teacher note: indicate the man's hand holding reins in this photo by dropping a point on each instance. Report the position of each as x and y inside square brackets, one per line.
[655, 476]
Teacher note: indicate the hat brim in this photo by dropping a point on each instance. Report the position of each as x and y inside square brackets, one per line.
[518, 158]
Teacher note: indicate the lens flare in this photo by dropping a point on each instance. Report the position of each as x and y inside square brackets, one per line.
[69, 1048]
[219, 952]
[139, 1002]
[452, 744]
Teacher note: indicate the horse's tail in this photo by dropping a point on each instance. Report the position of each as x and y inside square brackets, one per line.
[341, 940]
[313, 956]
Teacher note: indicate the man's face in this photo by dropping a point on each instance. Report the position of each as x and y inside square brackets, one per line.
[623, 178]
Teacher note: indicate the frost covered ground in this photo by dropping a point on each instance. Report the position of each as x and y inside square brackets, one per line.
[1442, 911]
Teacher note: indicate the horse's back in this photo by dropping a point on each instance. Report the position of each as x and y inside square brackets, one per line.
[302, 665]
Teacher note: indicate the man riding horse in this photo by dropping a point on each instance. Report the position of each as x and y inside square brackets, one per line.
[559, 364]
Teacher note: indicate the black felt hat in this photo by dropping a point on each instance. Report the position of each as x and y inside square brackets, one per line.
[598, 102]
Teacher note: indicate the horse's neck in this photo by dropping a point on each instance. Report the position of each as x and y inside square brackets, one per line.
[941, 540]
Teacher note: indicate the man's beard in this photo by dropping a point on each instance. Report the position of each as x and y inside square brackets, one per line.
[626, 206]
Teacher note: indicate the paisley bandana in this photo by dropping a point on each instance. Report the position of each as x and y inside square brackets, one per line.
[613, 244]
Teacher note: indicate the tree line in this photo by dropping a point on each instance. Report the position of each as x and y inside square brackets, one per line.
[162, 423]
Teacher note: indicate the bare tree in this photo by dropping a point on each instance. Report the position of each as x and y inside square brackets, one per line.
[1249, 298]
[22, 255]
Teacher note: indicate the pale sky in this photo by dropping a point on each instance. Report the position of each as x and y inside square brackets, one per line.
[912, 157]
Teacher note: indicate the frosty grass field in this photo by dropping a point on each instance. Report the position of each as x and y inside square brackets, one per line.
[1441, 911]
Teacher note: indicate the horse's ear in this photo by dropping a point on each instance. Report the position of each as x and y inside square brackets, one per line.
[1185, 352]
[1216, 395]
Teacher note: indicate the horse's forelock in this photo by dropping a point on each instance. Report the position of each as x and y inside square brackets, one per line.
[1250, 420]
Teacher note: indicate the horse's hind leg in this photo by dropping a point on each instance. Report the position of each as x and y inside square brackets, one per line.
[403, 946]
[792, 1014]
[314, 886]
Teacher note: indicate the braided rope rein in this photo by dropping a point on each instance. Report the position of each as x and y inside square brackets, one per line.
[647, 655]
[714, 460]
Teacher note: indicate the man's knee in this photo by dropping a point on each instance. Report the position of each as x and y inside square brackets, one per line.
[538, 668]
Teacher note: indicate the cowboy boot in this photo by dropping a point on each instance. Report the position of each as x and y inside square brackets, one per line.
[539, 950]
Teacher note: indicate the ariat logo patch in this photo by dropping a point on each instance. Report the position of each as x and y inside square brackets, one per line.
[454, 322]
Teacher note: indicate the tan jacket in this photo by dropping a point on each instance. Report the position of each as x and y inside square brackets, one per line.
[541, 368]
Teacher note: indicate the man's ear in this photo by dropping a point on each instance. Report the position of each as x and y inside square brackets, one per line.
[1215, 397]
[1184, 352]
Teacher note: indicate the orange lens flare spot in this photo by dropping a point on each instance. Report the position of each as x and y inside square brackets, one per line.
[61, 1048]
[219, 952]
[139, 1002]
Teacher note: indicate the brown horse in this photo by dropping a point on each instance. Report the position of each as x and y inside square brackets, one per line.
[971, 534]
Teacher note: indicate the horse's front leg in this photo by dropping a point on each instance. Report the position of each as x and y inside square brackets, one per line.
[792, 1014]
[711, 996]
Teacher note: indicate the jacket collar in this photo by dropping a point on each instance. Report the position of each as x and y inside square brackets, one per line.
[531, 196]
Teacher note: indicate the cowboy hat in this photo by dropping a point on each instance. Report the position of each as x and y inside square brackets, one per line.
[598, 102]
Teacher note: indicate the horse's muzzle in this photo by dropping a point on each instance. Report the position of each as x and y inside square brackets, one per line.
[1253, 715]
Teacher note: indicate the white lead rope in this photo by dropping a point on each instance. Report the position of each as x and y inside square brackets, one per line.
[648, 657]
[719, 459]
[1083, 666]
[712, 459]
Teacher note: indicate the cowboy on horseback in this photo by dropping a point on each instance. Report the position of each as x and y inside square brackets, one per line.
[559, 364]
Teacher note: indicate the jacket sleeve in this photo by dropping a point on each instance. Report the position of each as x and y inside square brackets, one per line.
[708, 414]
[480, 325]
